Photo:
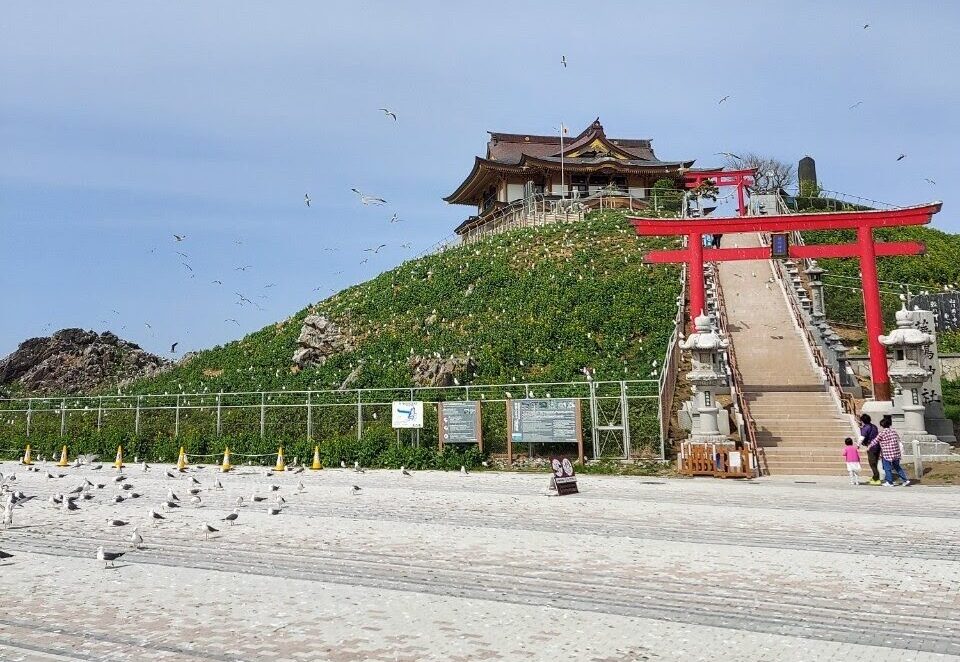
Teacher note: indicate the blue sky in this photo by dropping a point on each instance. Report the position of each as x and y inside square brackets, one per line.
[122, 124]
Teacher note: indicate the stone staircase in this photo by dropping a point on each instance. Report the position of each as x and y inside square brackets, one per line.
[799, 423]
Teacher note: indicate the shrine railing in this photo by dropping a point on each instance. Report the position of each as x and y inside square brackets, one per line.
[736, 384]
[671, 364]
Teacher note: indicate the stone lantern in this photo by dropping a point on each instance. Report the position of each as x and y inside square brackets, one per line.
[909, 370]
[815, 276]
[705, 347]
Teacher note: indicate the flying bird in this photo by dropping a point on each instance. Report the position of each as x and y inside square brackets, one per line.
[306, 199]
[232, 320]
[389, 113]
[563, 61]
[179, 237]
[855, 105]
[108, 557]
[729, 155]
[929, 181]
[369, 199]
[243, 268]
[866, 25]
[218, 282]
[173, 348]
[394, 219]
[374, 250]
[901, 157]
[723, 99]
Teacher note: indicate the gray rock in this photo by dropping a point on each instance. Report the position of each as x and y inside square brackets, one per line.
[319, 340]
[77, 361]
[434, 371]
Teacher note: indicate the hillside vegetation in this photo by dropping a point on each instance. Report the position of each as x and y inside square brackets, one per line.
[533, 305]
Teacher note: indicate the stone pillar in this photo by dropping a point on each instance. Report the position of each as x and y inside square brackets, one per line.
[705, 346]
[908, 371]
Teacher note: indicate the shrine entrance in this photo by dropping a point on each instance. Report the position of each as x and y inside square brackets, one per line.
[781, 228]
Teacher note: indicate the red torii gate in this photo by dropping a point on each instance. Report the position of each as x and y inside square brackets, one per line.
[739, 178]
[694, 255]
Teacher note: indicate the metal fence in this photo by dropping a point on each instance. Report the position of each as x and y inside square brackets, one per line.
[297, 412]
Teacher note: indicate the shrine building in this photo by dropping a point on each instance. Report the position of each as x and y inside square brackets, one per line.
[587, 171]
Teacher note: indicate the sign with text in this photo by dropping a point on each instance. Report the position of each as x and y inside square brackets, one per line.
[564, 477]
[408, 414]
[460, 423]
[544, 421]
[945, 307]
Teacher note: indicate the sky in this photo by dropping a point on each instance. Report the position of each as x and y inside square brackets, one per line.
[123, 124]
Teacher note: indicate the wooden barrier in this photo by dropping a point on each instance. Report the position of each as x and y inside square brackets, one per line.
[720, 461]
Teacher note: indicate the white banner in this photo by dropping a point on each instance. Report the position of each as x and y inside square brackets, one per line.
[408, 414]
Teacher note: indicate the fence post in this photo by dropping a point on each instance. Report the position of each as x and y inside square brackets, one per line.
[176, 418]
[359, 416]
[219, 427]
[625, 417]
[63, 417]
[29, 414]
[309, 417]
[263, 413]
[594, 432]
[917, 461]
[99, 412]
[136, 418]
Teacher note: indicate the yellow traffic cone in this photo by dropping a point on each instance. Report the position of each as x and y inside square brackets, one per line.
[226, 466]
[118, 463]
[316, 459]
[63, 458]
[26, 456]
[182, 460]
[281, 465]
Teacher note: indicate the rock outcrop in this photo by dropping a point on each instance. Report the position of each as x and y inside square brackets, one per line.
[319, 340]
[438, 371]
[77, 361]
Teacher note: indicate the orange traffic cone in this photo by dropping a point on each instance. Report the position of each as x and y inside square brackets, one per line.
[316, 459]
[26, 459]
[118, 463]
[226, 466]
[63, 458]
[281, 465]
[182, 460]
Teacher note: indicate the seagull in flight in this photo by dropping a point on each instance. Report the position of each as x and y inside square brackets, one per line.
[187, 266]
[389, 113]
[232, 320]
[563, 61]
[183, 255]
[179, 237]
[405, 245]
[723, 99]
[394, 219]
[374, 250]
[929, 181]
[866, 25]
[855, 105]
[901, 157]
[369, 199]
[364, 260]
[729, 155]
[306, 199]
[173, 348]
[218, 282]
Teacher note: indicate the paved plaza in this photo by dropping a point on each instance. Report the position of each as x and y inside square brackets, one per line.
[489, 566]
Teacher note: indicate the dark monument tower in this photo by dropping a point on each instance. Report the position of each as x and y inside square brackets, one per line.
[807, 173]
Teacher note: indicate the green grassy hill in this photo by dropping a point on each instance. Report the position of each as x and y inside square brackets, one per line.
[533, 305]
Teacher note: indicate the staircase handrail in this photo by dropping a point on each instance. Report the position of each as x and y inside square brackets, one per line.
[667, 382]
[736, 382]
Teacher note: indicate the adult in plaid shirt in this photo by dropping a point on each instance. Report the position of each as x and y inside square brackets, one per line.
[889, 442]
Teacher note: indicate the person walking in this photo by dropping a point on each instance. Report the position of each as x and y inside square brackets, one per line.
[868, 436]
[852, 456]
[890, 453]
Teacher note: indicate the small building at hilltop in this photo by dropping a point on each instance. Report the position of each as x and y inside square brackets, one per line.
[533, 180]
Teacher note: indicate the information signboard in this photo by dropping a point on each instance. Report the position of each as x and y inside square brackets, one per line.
[564, 478]
[407, 414]
[544, 421]
[460, 423]
[779, 245]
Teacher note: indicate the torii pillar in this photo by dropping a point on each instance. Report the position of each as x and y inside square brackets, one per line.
[865, 249]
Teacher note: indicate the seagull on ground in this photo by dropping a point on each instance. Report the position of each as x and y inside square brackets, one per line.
[5, 555]
[108, 557]
[117, 522]
[403, 471]
[463, 470]
[232, 517]
[356, 489]
[195, 500]
[154, 515]
[273, 510]
[207, 530]
[136, 539]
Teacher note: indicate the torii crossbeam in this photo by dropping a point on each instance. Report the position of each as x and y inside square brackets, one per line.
[865, 249]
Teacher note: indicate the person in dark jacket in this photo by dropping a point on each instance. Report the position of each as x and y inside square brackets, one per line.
[868, 435]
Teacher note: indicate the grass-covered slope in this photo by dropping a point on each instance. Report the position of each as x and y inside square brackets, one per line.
[530, 305]
[534, 305]
[937, 269]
